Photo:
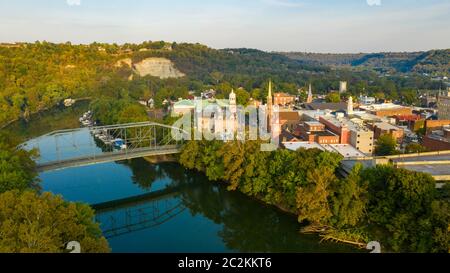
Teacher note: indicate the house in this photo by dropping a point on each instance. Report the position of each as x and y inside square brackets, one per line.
[283, 99]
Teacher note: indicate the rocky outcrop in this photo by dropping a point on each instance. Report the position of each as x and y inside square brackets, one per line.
[157, 67]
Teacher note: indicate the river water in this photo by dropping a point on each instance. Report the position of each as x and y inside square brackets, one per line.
[154, 208]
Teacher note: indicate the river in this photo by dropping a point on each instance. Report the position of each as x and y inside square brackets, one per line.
[163, 208]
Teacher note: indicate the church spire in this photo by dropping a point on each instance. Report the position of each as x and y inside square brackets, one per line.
[270, 89]
[310, 95]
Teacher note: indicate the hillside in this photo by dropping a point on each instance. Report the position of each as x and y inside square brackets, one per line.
[37, 76]
[434, 62]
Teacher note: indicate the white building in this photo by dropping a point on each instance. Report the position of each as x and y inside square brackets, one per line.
[367, 100]
[342, 87]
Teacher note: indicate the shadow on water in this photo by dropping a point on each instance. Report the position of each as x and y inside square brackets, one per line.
[57, 118]
[245, 225]
[164, 208]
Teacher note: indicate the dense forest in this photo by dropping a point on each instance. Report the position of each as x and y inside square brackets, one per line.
[37, 76]
[434, 62]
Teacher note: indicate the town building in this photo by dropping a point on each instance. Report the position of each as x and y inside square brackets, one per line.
[342, 87]
[365, 100]
[386, 109]
[283, 99]
[444, 106]
[313, 131]
[350, 132]
[385, 128]
[289, 119]
[340, 106]
[438, 140]
[413, 122]
[428, 101]
[433, 125]
[345, 150]
[183, 107]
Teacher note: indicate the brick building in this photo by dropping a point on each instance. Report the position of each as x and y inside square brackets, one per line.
[387, 110]
[384, 128]
[283, 99]
[315, 132]
[444, 106]
[432, 125]
[351, 133]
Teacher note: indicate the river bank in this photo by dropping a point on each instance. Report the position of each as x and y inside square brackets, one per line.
[211, 219]
[56, 118]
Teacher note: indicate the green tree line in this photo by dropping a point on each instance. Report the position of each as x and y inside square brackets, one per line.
[36, 76]
[401, 209]
[36, 222]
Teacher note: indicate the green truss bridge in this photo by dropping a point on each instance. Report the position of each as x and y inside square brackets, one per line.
[94, 145]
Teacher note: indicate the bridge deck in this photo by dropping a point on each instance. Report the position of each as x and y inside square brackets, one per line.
[108, 157]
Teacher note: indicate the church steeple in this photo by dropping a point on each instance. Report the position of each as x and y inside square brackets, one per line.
[269, 97]
[310, 95]
[269, 106]
[350, 106]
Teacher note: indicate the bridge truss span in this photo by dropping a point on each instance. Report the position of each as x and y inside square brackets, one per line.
[101, 144]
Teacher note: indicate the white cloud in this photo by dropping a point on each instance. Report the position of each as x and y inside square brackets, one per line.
[374, 2]
[74, 2]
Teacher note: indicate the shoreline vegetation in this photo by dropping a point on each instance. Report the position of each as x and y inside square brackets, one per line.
[401, 209]
[275, 179]
[39, 222]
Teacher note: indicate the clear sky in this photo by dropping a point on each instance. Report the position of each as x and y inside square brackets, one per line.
[272, 25]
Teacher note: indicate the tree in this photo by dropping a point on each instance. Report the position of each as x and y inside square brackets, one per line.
[333, 97]
[233, 154]
[190, 156]
[350, 200]
[386, 145]
[46, 223]
[312, 199]
[242, 97]
[414, 148]
[216, 76]
[132, 113]
[17, 168]
[400, 208]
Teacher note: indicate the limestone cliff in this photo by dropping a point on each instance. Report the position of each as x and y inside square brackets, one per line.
[158, 67]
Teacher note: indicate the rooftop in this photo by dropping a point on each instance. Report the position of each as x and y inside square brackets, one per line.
[344, 122]
[326, 106]
[294, 146]
[382, 106]
[386, 126]
[313, 123]
[345, 150]
[289, 115]
[281, 94]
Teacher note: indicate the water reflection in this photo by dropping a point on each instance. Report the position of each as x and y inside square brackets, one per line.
[246, 225]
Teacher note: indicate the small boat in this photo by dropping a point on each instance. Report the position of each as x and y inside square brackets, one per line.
[118, 143]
